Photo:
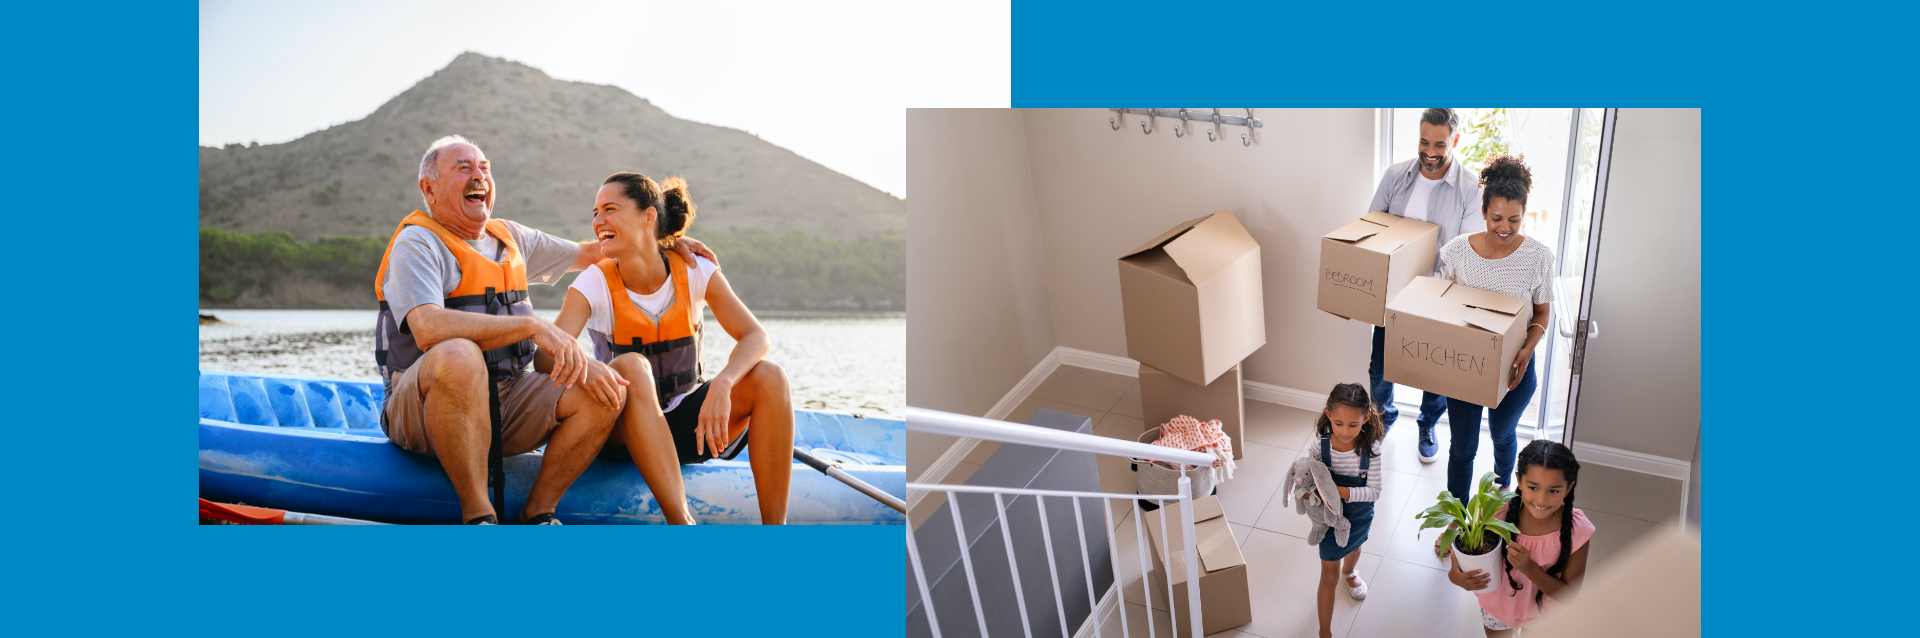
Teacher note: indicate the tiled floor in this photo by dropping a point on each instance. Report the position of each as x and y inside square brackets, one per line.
[1408, 590]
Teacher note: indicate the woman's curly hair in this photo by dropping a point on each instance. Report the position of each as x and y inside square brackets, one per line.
[1505, 177]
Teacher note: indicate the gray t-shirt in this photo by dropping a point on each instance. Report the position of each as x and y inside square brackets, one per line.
[422, 270]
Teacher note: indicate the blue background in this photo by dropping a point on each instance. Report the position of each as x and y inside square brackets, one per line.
[100, 164]
[1808, 202]
[1807, 249]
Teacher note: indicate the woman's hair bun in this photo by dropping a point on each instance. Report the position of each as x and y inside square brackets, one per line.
[677, 210]
[1506, 177]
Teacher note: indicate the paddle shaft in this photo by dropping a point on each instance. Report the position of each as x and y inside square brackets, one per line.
[814, 462]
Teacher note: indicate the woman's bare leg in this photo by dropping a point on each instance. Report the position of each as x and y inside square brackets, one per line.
[643, 430]
[762, 399]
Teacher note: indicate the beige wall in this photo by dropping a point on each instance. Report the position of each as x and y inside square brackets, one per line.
[1641, 385]
[1102, 192]
[975, 266]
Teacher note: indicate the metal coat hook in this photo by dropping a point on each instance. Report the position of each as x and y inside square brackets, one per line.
[1182, 131]
[1246, 139]
[1115, 122]
[1147, 126]
[1215, 133]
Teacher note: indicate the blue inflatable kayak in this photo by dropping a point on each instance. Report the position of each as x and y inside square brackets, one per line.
[314, 445]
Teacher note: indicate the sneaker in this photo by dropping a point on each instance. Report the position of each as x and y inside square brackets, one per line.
[1429, 446]
[487, 519]
[543, 519]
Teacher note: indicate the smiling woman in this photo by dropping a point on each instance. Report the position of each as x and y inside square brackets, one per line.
[643, 304]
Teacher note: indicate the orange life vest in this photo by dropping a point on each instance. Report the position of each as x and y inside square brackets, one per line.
[671, 345]
[486, 287]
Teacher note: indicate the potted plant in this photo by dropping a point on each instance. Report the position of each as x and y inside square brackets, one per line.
[1472, 530]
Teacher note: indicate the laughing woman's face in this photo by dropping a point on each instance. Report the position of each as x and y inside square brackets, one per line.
[619, 224]
[1503, 220]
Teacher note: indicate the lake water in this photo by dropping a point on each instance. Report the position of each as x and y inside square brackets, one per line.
[846, 363]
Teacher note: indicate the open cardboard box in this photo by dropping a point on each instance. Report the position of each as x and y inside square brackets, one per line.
[1225, 601]
[1367, 262]
[1191, 298]
[1164, 396]
[1455, 340]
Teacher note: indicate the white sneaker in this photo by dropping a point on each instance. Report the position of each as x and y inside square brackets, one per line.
[1357, 592]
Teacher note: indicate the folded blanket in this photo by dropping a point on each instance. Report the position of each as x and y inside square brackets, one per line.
[1317, 498]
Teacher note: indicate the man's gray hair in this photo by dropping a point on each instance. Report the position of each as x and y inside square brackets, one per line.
[429, 167]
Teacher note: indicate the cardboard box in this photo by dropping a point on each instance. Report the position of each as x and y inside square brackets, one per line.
[1192, 299]
[1455, 340]
[1367, 262]
[1164, 396]
[1225, 602]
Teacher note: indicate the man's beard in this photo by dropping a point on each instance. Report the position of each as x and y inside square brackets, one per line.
[1439, 165]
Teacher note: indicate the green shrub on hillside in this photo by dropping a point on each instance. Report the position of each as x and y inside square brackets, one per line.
[234, 263]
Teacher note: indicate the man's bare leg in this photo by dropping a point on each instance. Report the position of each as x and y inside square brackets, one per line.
[643, 429]
[584, 424]
[453, 392]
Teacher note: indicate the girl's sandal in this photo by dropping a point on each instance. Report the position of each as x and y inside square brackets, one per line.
[1359, 592]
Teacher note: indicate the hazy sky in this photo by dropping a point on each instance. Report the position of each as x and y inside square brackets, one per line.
[827, 80]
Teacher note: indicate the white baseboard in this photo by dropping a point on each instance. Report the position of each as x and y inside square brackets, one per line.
[1097, 361]
[1292, 398]
[1643, 463]
[1629, 460]
[1109, 602]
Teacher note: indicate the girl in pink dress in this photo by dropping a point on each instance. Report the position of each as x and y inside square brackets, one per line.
[1549, 555]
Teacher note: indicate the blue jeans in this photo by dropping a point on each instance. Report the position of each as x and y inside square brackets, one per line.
[1464, 420]
[1431, 405]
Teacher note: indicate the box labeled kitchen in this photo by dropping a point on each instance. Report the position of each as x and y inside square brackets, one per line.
[1454, 340]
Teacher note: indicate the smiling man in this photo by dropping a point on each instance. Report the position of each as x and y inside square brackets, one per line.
[456, 333]
[1431, 187]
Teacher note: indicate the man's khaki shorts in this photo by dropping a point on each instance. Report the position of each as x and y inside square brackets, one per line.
[526, 411]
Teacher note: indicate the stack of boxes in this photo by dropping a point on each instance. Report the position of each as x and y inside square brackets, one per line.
[1194, 309]
[1441, 337]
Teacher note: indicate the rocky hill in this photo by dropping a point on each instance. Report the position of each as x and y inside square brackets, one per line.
[551, 143]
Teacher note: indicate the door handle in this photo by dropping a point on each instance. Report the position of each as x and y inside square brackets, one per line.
[1593, 329]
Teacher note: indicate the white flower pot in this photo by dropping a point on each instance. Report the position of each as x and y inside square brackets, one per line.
[1490, 562]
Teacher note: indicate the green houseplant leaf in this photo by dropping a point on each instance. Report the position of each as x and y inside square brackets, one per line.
[1469, 522]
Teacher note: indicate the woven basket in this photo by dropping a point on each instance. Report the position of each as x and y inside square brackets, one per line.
[1157, 477]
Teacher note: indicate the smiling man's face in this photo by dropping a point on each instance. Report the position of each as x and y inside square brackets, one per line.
[465, 183]
[1435, 140]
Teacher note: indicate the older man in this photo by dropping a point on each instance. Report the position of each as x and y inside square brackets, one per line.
[1431, 187]
[455, 320]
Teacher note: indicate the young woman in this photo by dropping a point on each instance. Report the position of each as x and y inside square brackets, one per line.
[1350, 432]
[1549, 555]
[1502, 260]
[643, 305]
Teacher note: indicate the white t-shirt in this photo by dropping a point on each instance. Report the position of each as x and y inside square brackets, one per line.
[592, 284]
[1417, 201]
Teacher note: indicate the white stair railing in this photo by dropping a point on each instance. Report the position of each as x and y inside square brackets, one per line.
[957, 425]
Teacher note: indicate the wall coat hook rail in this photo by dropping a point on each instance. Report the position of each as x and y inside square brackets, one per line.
[1186, 115]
